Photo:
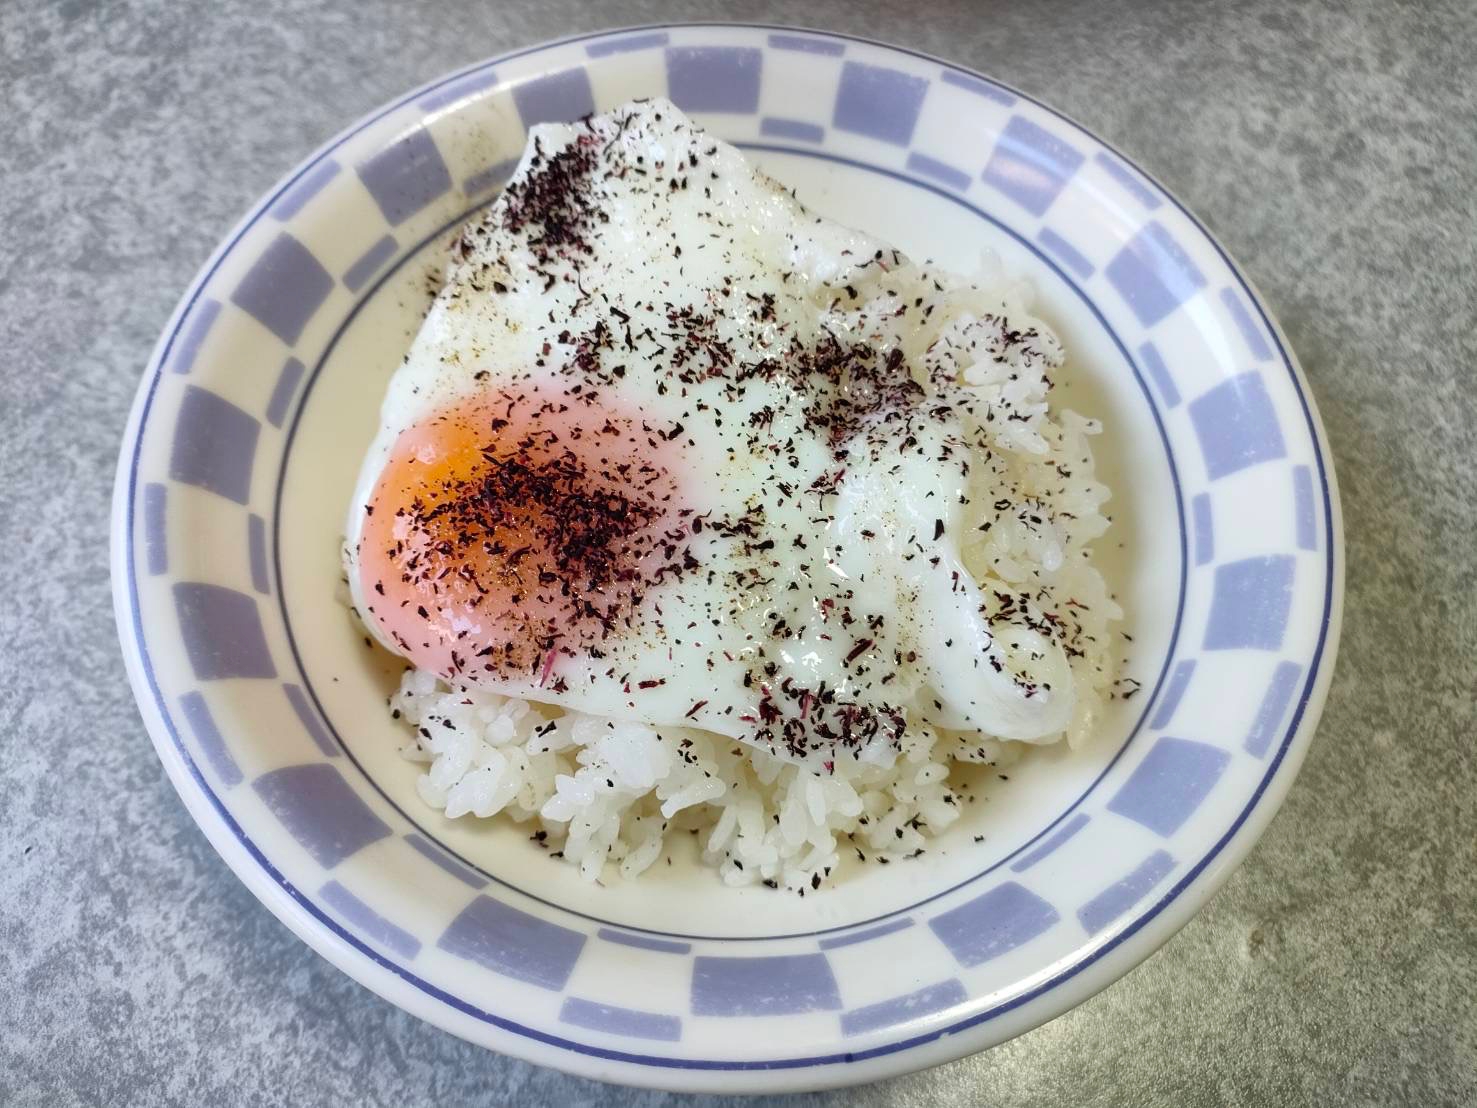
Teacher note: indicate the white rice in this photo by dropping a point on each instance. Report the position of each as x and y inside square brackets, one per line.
[610, 796]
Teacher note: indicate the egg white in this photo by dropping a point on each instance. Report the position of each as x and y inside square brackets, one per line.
[879, 546]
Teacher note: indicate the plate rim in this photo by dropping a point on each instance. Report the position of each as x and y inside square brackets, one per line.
[1152, 927]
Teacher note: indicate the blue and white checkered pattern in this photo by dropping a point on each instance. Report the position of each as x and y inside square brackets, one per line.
[210, 446]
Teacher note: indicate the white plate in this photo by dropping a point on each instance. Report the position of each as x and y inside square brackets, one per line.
[267, 708]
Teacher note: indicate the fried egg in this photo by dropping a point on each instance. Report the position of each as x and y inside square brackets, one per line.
[670, 448]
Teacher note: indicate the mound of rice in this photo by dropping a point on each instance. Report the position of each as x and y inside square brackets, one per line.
[611, 796]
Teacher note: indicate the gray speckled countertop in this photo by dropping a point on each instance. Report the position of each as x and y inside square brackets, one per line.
[1330, 146]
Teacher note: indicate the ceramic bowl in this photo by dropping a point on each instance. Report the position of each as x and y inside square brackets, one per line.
[267, 707]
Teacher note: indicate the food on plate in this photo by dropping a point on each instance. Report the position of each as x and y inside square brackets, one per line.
[693, 511]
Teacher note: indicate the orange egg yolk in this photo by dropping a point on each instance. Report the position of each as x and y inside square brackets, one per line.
[518, 528]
